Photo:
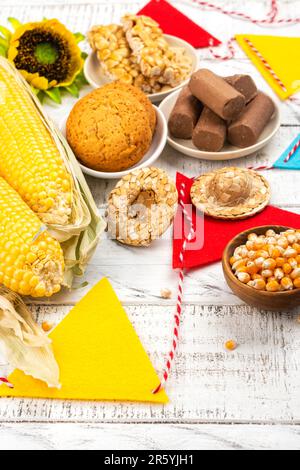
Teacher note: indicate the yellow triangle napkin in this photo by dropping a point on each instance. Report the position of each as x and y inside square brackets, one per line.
[99, 354]
[283, 56]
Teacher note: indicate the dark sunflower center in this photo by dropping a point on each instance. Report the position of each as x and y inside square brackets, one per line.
[44, 52]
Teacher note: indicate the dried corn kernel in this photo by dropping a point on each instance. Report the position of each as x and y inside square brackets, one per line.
[273, 286]
[297, 283]
[231, 345]
[267, 273]
[287, 268]
[286, 283]
[292, 262]
[280, 261]
[47, 326]
[295, 273]
[269, 264]
[243, 277]
[278, 273]
[251, 268]
[258, 284]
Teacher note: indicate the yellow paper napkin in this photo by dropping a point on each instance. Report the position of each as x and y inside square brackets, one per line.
[99, 354]
[283, 56]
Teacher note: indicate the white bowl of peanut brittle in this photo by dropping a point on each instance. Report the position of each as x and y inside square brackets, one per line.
[97, 77]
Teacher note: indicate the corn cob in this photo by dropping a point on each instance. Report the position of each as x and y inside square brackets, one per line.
[30, 160]
[31, 261]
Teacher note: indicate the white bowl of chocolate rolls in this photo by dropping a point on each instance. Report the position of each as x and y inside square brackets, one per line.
[220, 118]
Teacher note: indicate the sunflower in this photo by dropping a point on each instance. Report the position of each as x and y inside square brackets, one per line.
[46, 54]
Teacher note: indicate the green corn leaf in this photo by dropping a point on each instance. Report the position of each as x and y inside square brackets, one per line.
[79, 37]
[54, 94]
[5, 33]
[15, 23]
[73, 89]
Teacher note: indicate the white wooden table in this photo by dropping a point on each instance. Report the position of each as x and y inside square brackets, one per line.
[245, 399]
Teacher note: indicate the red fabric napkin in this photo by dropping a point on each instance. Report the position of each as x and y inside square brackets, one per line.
[212, 235]
[172, 21]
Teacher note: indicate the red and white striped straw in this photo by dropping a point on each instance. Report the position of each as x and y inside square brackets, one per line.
[177, 315]
[291, 153]
[271, 167]
[6, 382]
[270, 17]
[261, 167]
[265, 63]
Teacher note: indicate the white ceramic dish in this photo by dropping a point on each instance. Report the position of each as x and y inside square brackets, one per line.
[157, 145]
[229, 152]
[96, 79]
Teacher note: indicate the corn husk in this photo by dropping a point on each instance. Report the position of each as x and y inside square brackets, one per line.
[80, 237]
[26, 345]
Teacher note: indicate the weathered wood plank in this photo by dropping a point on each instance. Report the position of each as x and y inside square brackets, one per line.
[41, 436]
[258, 382]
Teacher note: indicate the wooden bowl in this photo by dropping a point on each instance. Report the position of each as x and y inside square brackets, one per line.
[274, 301]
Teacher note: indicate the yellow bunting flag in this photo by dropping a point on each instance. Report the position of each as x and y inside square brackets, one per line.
[277, 58]
[99, 354]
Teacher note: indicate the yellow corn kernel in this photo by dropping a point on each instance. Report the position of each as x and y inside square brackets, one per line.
[270, 233]
[274, 252]
[297, 283]
[283, 242]
[297, 258]
[29, 156]
[231, 345]
[269, 264]
[296, 247]
[243, 277]
[273, 286]
[286, 283]
[252, 236]
[26, 272]
[292, 262]
[251, 268]
[278, 273]
[267, 273]
[46, 326]
[295, 273]
[238, 264]
[262, 254]
[280, 261]
[258, 284]
[287, 268]
[232, 260]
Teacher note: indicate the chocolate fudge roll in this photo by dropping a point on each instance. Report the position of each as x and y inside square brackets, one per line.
[210, 132]
[185, 114]
[247, 128]
[215, 93]
[244, 84]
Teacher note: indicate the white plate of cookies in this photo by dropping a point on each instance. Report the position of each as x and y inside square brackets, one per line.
[115, 129]
[120, 53]
[217, 118]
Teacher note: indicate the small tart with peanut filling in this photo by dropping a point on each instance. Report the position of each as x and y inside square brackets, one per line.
[230, 193]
